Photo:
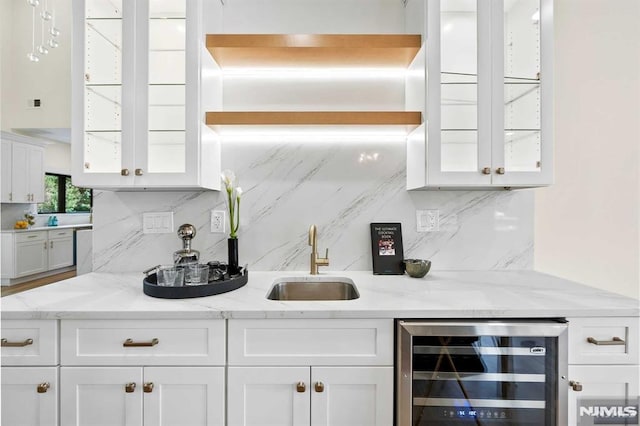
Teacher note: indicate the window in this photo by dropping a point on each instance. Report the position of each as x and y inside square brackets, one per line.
[60, 196]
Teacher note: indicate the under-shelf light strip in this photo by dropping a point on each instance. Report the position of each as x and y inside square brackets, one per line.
[314, 73]
[305, 135]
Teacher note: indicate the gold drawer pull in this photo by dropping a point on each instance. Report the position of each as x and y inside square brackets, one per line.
[7, 344]
[576, 386]
[301, 387]
[43, 387]
[130, 387]
[319, 387]
[147, 387]
[616, 341]
[129, 343]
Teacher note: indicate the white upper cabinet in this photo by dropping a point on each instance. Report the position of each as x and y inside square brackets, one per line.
[22, 171]
[488, 88]
[137, 121]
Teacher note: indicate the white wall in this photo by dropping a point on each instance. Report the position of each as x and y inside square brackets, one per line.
[57, 158]
[48, 80]
[587, 224]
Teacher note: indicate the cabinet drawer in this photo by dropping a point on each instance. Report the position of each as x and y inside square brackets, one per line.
[60, 233]
[311, 342]
[145, 342]
[22, 237]
[29, 342]
[603, 340]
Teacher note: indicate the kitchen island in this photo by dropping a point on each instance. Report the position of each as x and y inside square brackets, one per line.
[100, 349]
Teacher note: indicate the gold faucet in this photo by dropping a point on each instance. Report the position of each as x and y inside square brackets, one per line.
[315, 260]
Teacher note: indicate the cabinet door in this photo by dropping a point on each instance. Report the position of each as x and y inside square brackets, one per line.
[188, 396]
[36, 174]
[522, 108]
[31, 257]
[60, 253]
[602, 383]
[101, 396]
[5, 192]
[30, 396]
[271, 396]
[20, 173]
[351, 396]
[103, 99]
[458, 50]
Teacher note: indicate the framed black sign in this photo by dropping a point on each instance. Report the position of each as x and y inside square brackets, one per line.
[386, 249]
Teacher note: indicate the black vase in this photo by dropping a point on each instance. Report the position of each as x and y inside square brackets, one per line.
[232, 244]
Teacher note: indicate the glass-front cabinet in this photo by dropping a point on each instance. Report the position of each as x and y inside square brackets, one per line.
[488, 93]
[136, 96]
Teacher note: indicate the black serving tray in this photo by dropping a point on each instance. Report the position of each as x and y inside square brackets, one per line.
[151, 288]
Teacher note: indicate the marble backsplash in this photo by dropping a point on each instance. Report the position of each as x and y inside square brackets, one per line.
[339, 187]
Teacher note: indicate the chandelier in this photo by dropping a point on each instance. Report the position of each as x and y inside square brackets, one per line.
[46, 18]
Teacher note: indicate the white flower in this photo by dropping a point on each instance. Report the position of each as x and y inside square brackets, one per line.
[229, 179]
[238, 192]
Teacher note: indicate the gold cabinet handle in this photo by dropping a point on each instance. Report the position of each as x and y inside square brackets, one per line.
[301, 387]
[51, 244]
[129, 343]
[616, 341]
[43, 387]
[45, 245]
[147, 387]
[124, 172]
[6, 344]
[319, 386]
[500, 170]
[130, 387]
[486, 170]
[11, 196]
[138, 172]
[576, 386]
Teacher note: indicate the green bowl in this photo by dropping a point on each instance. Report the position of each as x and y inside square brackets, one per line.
[417, 268]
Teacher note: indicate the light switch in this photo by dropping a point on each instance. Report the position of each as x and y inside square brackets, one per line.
[157, 223]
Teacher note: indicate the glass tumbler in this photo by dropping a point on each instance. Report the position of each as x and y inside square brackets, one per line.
[170, 276]
[196, 274]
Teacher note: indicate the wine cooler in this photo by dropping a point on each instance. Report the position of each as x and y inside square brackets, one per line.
[507, 373]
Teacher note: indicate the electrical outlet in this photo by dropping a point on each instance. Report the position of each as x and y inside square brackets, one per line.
[217, 221]
[427, 220]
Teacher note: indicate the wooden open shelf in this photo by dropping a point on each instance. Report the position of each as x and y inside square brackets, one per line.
[331, 50]
[411, 119]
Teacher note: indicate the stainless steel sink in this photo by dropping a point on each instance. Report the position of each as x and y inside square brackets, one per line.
[320, 288]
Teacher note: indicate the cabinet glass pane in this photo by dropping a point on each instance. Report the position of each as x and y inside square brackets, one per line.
[459, 150]
[459, 85]
[102, 152]
[522, 85]
[522, 150]
[103, 86]
[166, 95]
[166, 107]
[103, 108]
[167, 152]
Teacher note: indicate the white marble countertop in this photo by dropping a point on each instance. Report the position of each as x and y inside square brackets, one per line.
[441, 294]
[49, 228]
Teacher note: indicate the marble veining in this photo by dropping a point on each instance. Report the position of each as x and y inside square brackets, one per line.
[441, 294]
[340, 187]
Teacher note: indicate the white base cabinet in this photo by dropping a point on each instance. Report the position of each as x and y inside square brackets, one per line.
[602, 384]
[316, 396]
[34, 252]
[604, 363]
[310, 372]
[136, 396]
[30, 396]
